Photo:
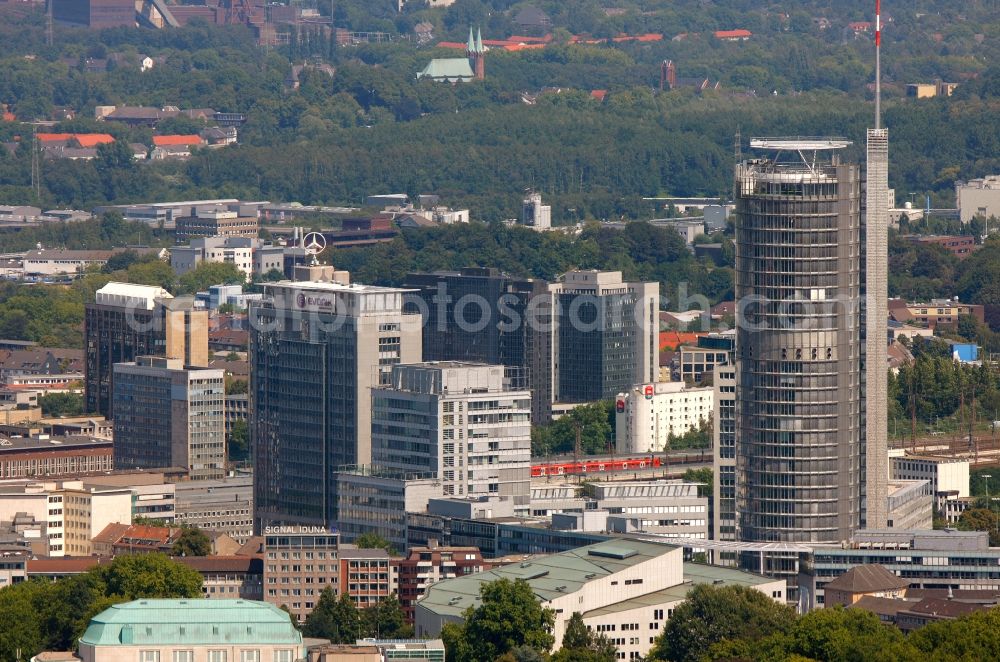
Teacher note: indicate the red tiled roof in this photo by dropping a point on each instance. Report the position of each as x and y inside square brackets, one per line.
[64, 565]
[169, 141]
[599, 94]
[674, 339]
[858, 26]
[451, 44]
[732, 34]
[85, 139]
[250, 564]
[9, 117]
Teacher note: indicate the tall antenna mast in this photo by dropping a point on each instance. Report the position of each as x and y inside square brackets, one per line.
[878, 64]
[48, 22]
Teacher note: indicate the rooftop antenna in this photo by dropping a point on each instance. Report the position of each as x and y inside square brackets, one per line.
[878, 64]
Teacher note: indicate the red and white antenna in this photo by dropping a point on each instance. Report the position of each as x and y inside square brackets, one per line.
[878, 64]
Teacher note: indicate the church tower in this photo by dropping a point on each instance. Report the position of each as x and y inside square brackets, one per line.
[476, 53]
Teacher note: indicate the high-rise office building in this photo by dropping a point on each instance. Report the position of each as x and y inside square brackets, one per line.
[534, 214]
[799, 424]
[460, 421]
[606, 333]
[317, 348]
[485, 316]
[169, 416]
[126, 321]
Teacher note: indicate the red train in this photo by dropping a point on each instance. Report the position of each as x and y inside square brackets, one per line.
[594, 466]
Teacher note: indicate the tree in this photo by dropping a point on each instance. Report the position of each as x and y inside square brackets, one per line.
[192, 541]
[152, 575]
[702, 475]
[206, 274]
[333, 618]
[235, 386]
[372, 540]
[61, 404]
[385, 620]
[509, 616]
[980, 519]
[710, 615]
[582, 645]
[238, 443]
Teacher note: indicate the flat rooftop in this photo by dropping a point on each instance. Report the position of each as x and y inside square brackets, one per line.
[325, 286]
[795, 143]
[694, 574]
[550, 576]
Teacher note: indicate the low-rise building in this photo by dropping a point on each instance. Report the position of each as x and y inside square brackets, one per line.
[188, 630]
[939, 312]
[374, 500]
[236, 250]
[625, 589]
[75, 511]
[978, 197]
[47, 456]
[948, 476]
[13, 564]
[961, 246]
[215, 222]
[425, 566]
[864, 580]
[229, 577]
[647, 415]
[711, 350]
[224, 505]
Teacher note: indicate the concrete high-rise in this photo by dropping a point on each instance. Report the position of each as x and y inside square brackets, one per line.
[126, 321]
[483, 315]
[461, 421]
[169, 416]
[799, 425]
[606, 333]
[317, 349]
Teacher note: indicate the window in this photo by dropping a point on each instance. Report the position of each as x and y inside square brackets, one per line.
[283, 655]
[183, 656]
[250, 655]
[217, 656]
[149, 656]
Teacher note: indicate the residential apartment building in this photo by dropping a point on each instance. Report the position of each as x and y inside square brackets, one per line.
[368, 576]
[605, 338]
[647, 415]
[486, 316]
[126, 321]
[425, 566]
[978, 197]
[169, 416]
[459, 421]
[215, 222]
[943, 312]
[317, 350]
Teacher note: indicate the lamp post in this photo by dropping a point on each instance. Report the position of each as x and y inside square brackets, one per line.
[989, 502]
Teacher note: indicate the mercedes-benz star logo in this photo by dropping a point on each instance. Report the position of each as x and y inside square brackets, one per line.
[314, 243]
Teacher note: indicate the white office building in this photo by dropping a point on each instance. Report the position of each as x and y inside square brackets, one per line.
[978, 197]
[534, 214]
[647, 414]
[460, 421]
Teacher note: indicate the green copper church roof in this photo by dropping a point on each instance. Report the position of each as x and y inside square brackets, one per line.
[170, 622]
[450, 69]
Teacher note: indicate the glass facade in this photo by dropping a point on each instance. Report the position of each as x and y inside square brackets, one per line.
[799, 431]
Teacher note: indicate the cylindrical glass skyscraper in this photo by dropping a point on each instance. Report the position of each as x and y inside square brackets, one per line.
[799, 424]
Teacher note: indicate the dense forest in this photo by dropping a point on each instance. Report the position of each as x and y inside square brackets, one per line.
[372, 127]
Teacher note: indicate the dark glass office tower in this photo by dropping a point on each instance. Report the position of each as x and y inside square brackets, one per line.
[485, 316]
